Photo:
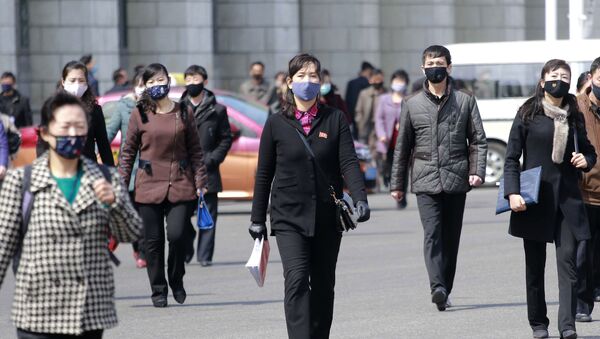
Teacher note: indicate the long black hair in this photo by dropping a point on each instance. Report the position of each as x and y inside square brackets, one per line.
[88, 98]
[533, 106]
[295, 65]
[145, 101]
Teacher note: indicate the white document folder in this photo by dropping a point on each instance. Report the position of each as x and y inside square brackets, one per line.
[257, 264]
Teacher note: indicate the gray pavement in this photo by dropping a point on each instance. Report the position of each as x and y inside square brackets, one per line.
[382, 289]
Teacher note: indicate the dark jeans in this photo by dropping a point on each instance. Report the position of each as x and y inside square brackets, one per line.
[22, 334]
[588, 262]
[206, 238]
[139, 245]
[178, 218]
[309, 271]
[535, 262]
[442, 217]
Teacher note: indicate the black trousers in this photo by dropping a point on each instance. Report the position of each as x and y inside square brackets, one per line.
[22, 334]
[139, 246]
[206, 238]
[178, 219]
[309, 271]
[535, 262]
[588, 262]
[442, 218]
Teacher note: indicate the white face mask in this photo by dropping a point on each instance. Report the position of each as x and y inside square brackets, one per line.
[138, 91]
[77, 89]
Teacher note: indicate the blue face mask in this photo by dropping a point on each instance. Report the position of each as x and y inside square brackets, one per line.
[69, 147]
[325, 88]
[6, 87]
[159, 91]
[306, 90]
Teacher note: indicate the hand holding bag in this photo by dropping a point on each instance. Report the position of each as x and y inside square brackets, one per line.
[205, 221]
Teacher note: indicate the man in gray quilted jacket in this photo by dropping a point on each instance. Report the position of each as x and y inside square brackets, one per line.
[441, 129]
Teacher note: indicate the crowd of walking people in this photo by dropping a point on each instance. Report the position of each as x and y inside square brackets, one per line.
[60, 215]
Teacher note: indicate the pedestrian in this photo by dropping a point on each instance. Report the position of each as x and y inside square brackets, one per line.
[92, 69]
[64, 280]
[13, 103]
[168, 182]
[365, 108]
[119, 121]
[441, 130]
[4, 151]
[387, 117]
[584, 82]
[120, 81]
[215, 137]
[74, 81]
[353, 89]
[277, 93]
[256, 87]
[330, 97]
[589, 251]
[543, 132]
[303, 216]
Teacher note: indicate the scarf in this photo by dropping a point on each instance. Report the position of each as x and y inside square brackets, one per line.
[561, 129]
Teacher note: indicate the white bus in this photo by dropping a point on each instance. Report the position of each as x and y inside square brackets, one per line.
[504, 74]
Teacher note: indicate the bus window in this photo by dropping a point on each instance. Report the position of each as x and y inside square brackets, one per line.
[499, 81]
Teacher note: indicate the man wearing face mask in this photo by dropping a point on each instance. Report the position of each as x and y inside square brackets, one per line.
[256, 87]
[365, 109]
[14, 103]
[588, 256]
[442, 130]
[215, 138]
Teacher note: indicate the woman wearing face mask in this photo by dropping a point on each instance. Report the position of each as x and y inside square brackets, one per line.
[387, 118]
[119, 122]
[549, 131]
[64, 280]
[170, 177]
[74, 81]
[303, 216]
[330, 97]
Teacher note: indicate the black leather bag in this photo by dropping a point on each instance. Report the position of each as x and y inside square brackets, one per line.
[346, 215]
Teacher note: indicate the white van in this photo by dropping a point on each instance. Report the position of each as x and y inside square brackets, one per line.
[504, 74]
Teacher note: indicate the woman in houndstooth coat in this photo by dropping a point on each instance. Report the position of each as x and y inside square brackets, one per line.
[64, 279]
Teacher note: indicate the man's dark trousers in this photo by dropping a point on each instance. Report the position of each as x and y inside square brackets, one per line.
[587, 262]
[206, 238]
[442, 217]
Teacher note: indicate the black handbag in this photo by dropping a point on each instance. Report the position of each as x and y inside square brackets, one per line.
[345, 214]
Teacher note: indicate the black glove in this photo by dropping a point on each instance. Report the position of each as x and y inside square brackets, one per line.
[363, 210]
[257, 230]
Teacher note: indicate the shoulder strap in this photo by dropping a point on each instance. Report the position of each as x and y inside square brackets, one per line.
[319, 169]
[26, 207]
[576, 139]
[142, 113]
[105, 172]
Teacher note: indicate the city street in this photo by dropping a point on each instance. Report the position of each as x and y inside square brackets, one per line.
[381, 292]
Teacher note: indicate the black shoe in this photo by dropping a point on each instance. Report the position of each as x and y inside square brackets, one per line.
[160, 301]
[543, 333]
[179, 295]
[583, 318]
[439, 297]
[597, 295]
[569, 334]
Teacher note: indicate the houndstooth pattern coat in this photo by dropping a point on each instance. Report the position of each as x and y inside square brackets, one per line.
[64, 283]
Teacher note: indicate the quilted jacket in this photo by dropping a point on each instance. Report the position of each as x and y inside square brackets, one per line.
[446, 140]
[64, 283]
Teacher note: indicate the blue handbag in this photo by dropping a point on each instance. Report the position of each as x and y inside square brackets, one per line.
[530, 189]
[205, 221]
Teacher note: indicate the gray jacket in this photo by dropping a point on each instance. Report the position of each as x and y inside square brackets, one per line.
[446, 140]
[119, 121]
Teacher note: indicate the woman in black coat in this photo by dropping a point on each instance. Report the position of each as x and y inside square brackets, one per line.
[544, 133]
[303, 215]
[74, 81]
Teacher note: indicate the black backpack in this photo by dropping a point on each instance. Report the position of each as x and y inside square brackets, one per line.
[27, 206]
[14, 141]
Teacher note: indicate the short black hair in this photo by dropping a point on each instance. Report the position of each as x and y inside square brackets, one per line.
[8, 75]
[377, 71]
[257, 63]
[436, 51]
[325, 73]
[139, 68]
[581, 80]
[86, 59]
[117, 74]
[196, 70]
[400, 74]
[595, 65]
[58, 100]
[366, 66]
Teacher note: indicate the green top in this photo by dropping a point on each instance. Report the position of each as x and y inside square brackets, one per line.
[70, 186]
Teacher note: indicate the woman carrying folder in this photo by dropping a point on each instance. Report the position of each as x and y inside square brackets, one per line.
[303, 215]
[549, 132]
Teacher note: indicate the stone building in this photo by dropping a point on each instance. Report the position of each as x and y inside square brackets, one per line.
[37, 37]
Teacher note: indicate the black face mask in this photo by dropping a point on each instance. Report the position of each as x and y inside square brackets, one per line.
[596, 91]
[436, 74]
[557, 88]
[257, 77]
[194, 90]
[378, 85]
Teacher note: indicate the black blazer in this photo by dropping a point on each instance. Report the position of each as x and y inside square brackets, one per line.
[297, 190]
[559, 190]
